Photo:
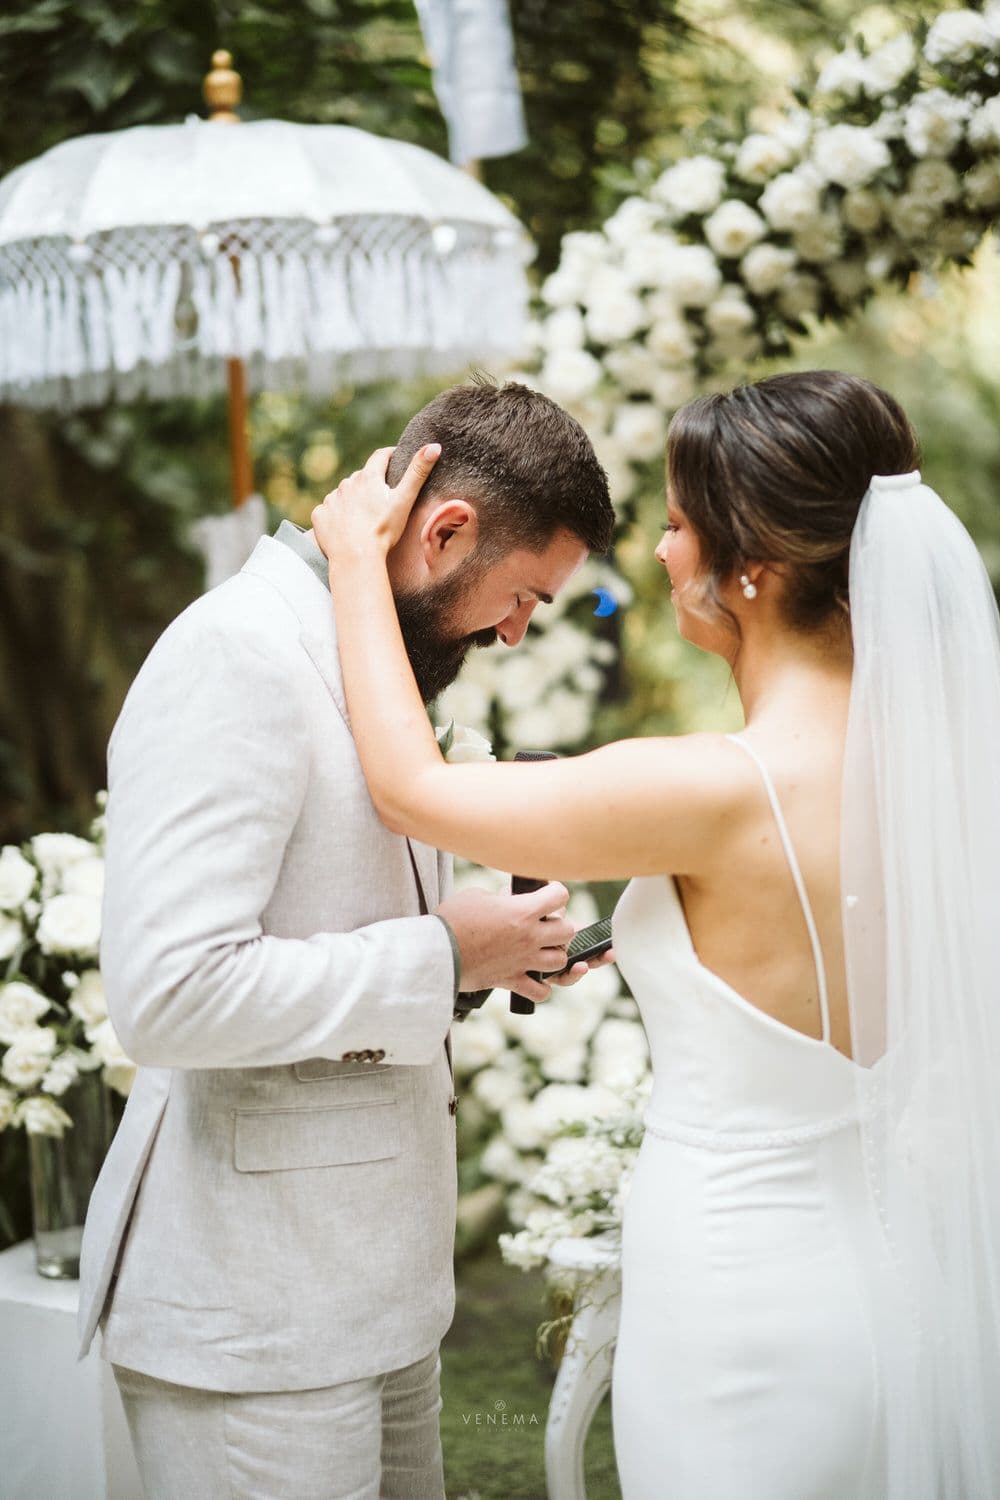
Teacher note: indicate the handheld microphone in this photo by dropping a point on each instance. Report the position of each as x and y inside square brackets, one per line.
[520, 1005]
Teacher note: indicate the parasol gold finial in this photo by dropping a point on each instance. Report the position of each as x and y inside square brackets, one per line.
[223, 89]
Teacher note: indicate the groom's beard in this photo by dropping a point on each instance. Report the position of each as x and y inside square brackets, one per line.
[437, 654]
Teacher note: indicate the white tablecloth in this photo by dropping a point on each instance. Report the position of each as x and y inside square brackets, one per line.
[62, 1429]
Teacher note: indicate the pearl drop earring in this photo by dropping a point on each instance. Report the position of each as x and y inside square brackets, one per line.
[749, 589]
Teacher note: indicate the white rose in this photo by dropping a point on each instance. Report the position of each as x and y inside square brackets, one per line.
[87, 1001]
[633, 367]
[563, 329]
[861, 210]
[982, 184]
[62, 1074]
[733, 228]
[523, 1251]
[984, 127]
[640, 428]
[844, 75]
[819, 241]
[467, 746]
[849, 279]
[500, 1161]
[614, 311]
[568, 374]
[765, 267]
[560, 1104]
[85, 878]
[799, 295]
[8, 1107]
[794, 129]
[692, 274]
[70, 924]
[11, 935]
[564, 287]
[119, 1074]
[466, 700]
[956, 36]
[760, 157]
[520, 1125]
[790, 200]
[584, 249]
[104, 1043]
[26, 1062]
[913, 218]
[643, 262]
[41, 1116]
[669, 339]
[933, 122]
[849, 155]
[476, 1043]
[730, 313]
[632, 218]
[694, 186]
[888, 65]
[934, 180]
[55, 852]
[619, 1054]
[496, 1087]
[21, 1005]
[17, 878]
[889, 126]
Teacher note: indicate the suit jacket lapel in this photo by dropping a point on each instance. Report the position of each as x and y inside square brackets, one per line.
[310, 603]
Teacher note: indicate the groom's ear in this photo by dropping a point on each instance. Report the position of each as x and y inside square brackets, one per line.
[449, 532]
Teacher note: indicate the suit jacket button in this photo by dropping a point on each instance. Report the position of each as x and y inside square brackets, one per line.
[453, 1105]
[349, 1057]
[378, 1055]
[365, 1056]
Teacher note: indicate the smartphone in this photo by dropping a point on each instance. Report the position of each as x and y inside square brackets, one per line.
[590, 942]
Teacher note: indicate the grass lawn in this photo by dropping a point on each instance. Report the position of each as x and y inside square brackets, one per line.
[488, 1358]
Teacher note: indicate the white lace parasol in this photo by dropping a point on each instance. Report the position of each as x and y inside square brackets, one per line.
[137, 262]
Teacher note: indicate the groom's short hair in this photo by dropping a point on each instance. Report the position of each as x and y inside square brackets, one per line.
[526, 464]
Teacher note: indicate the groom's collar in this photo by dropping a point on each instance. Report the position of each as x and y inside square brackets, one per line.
[304, 545]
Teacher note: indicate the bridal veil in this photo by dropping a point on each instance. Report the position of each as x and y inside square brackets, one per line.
[920, 880]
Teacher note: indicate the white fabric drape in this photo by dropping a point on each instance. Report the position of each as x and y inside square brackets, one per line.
[475, 76]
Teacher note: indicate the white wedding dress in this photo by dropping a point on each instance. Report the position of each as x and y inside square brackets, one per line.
[747, 1364]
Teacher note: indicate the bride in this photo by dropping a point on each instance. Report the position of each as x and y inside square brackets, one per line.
[811, 1246]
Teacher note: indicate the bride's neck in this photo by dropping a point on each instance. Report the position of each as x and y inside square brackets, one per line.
[793, 678]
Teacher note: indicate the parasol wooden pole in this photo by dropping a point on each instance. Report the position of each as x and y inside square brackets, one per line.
[223, 89]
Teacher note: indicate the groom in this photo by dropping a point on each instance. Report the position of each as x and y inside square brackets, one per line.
[269, 1246]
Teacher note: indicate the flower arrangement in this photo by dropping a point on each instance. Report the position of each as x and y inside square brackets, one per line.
[54, 1022]
[892, 163]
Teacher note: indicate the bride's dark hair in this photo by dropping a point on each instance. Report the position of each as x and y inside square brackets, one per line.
[775, 472]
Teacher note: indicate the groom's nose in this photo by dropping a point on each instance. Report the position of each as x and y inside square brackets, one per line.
[511, 629]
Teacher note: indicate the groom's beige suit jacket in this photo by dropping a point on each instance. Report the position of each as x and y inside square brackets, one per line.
[277, 1209]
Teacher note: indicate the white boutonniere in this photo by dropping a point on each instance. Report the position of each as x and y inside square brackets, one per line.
[461, 745]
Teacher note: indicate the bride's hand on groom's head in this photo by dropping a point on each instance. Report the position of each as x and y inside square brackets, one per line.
[365, 512]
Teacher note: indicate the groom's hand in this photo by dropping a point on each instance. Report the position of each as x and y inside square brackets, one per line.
[501, 938]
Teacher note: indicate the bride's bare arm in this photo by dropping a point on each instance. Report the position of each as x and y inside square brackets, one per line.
[637, 807]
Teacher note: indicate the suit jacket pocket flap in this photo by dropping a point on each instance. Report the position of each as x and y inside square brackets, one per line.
[277, 1140]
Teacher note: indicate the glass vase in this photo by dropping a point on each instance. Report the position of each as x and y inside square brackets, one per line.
[63, 1172]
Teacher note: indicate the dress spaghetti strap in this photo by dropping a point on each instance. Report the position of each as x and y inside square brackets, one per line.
[797, 877]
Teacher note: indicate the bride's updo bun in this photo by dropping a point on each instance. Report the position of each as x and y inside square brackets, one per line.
[775, 472]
